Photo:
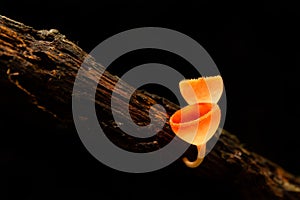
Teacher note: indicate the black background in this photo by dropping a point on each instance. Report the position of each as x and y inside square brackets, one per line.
[255, 46]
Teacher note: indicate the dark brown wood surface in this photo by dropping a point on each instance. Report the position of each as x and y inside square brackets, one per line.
[43, 64]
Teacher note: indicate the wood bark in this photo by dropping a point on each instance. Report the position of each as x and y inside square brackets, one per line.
[44, 63]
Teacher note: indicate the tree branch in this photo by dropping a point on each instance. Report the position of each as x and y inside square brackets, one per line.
[44, 64]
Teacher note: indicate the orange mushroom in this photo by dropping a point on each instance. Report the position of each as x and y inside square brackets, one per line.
[201, 90]
[198, 122]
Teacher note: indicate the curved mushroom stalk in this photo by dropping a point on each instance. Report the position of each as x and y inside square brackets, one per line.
[199, 159]
[199, 121]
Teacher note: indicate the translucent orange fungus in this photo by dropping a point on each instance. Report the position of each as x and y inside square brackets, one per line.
[198, 122]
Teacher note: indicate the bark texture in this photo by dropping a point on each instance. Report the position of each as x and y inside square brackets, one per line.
[44, 63]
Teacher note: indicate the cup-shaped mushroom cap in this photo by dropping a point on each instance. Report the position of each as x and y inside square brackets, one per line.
[196, 123]
[202, 90]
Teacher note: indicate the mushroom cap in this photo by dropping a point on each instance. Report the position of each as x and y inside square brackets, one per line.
[196, 123]
[202, 90]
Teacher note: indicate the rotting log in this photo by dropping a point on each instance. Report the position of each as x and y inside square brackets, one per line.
[44, 63]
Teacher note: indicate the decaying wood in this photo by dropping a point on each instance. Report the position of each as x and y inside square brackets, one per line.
[43, 64]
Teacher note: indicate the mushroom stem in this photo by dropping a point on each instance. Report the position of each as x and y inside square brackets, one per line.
[200, 157]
